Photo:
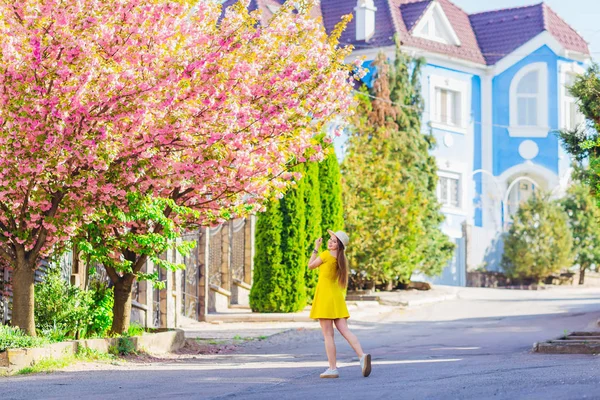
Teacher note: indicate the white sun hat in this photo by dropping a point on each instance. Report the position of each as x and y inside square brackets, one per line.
[342, 236]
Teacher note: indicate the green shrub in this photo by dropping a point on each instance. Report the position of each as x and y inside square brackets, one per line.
[101, 308]
[15, 338]
[539, 242]
[584, 220]
[88, 354]
[65, 312]
[135, 329]
[125, 346]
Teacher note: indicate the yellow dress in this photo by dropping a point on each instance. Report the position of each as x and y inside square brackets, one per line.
[329, 301]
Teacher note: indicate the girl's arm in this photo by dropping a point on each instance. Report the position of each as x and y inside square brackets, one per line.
[315, 261]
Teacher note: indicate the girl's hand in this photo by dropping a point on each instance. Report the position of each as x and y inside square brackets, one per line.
[318, 243]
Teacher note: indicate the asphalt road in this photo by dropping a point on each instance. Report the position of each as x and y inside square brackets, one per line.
[476, 347]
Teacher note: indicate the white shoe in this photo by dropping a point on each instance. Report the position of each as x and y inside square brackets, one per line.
[330, 373]
[365, 365]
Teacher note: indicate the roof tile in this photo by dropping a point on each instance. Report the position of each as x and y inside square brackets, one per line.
[485, 37]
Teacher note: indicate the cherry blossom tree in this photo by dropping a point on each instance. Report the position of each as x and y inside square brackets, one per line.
[103, 98]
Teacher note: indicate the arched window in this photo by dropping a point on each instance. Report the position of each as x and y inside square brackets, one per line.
[527, 99]
[529, 102]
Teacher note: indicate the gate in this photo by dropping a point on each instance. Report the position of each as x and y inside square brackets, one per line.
[190, 278]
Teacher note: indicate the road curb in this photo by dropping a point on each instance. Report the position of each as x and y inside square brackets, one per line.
[574, 343]
[357, 308]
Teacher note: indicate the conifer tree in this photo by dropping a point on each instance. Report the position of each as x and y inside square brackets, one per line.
[330, 184]
[312, 201]
[293, 245]
[268, 289]
[390, 181]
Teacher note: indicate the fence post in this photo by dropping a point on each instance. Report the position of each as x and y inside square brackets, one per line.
[226, 255]
[203, 260]
[249, 249]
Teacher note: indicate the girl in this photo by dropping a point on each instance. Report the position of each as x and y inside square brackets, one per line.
[329, 305]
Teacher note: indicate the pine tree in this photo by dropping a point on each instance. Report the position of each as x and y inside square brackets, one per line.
[293, 245]
[312, 201]
[330, 184]
[268, 289]
[390, 181]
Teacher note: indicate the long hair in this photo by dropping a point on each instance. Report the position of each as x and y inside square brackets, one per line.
[342, 265]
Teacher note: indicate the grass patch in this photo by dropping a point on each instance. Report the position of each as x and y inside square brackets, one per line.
[14, 338]
[87, 354]
[48, 365]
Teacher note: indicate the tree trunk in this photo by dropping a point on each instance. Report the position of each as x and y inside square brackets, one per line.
[23, 298]
[582, 274]
[122, 305]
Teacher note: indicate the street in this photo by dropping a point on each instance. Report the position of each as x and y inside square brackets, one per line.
[475, 347]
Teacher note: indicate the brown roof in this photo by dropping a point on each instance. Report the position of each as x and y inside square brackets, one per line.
[485, 37]
[468, 49]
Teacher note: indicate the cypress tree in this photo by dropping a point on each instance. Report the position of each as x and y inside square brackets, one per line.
[312, 201]
[293, 245]
[268, 289]
[330, 184]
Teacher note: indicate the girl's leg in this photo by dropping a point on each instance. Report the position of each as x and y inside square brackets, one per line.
[342, 325]
[327, 328]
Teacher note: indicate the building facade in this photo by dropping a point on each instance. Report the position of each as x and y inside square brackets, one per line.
[494, 86]
[495, 90]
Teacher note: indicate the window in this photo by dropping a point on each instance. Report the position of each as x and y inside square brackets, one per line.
[433, 30]
[519, 194]
[449, 190]
[448, 107]
[448, 103]
[529, 102]
[434, 25]
[527, 99]
[572, 117]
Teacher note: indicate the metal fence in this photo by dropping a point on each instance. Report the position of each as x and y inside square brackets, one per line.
[222, 256]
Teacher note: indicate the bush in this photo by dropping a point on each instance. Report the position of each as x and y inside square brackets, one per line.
[124, 347]
[539, 242]
[584, 219]
[66, 312]
[14, 338]
[135, 329]
[101, 308]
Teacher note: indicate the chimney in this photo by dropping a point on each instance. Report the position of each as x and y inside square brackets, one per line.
[365, 19]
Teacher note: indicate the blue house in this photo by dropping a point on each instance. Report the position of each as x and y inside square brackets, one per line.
[494, 86]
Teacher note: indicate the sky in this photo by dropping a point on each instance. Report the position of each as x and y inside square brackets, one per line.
[582, 15]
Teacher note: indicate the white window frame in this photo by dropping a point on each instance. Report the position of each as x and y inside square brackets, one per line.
[435, 17]
[565, 99]
[454, 85]
[541, 129]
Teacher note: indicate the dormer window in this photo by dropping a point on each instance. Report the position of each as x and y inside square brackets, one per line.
[434, 25]
[529, 101]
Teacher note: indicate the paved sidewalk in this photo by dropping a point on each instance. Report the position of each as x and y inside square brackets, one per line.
[242, 323]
